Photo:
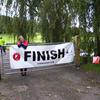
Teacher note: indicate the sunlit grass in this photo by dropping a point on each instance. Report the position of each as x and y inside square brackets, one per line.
[10, 38]
[37, 38]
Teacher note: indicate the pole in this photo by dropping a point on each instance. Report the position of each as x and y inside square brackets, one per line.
[0, 63]
[77, 51]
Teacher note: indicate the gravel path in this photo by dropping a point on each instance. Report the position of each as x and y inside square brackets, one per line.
[64, 83]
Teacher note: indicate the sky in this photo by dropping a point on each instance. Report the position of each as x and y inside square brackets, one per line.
[2, 10]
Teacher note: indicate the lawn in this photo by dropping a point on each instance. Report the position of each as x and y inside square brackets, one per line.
[37, 38]
[10, 38]
[91, 67]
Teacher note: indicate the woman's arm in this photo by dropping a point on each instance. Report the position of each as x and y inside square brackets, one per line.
[25, 44]
[18, 44]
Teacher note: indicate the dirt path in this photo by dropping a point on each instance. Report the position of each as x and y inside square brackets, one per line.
[65, 83]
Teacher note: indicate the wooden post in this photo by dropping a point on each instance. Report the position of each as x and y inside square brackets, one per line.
[77, 50]
[0, 64]
[0, 73]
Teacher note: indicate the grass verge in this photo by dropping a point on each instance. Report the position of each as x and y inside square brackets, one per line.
[91, 67]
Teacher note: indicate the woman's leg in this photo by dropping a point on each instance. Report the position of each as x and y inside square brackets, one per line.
[25, 70]
[21, 70]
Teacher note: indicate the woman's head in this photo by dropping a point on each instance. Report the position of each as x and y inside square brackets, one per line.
[21, 38]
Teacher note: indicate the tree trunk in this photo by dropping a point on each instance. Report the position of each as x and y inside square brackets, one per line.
[77, 50]
[98, 44]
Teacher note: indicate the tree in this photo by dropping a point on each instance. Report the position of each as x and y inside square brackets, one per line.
[96, 23]
[23, 10]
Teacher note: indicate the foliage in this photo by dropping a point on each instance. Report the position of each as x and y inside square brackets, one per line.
[55, 19]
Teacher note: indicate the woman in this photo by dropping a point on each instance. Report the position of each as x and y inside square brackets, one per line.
[22, 43]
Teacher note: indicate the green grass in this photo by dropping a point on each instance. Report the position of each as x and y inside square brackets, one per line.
[91, 67]
[37, 38]
[10, 38]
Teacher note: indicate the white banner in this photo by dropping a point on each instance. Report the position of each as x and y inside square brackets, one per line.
[43, 55]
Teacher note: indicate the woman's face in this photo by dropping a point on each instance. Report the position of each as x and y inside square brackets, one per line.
[22, 39]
